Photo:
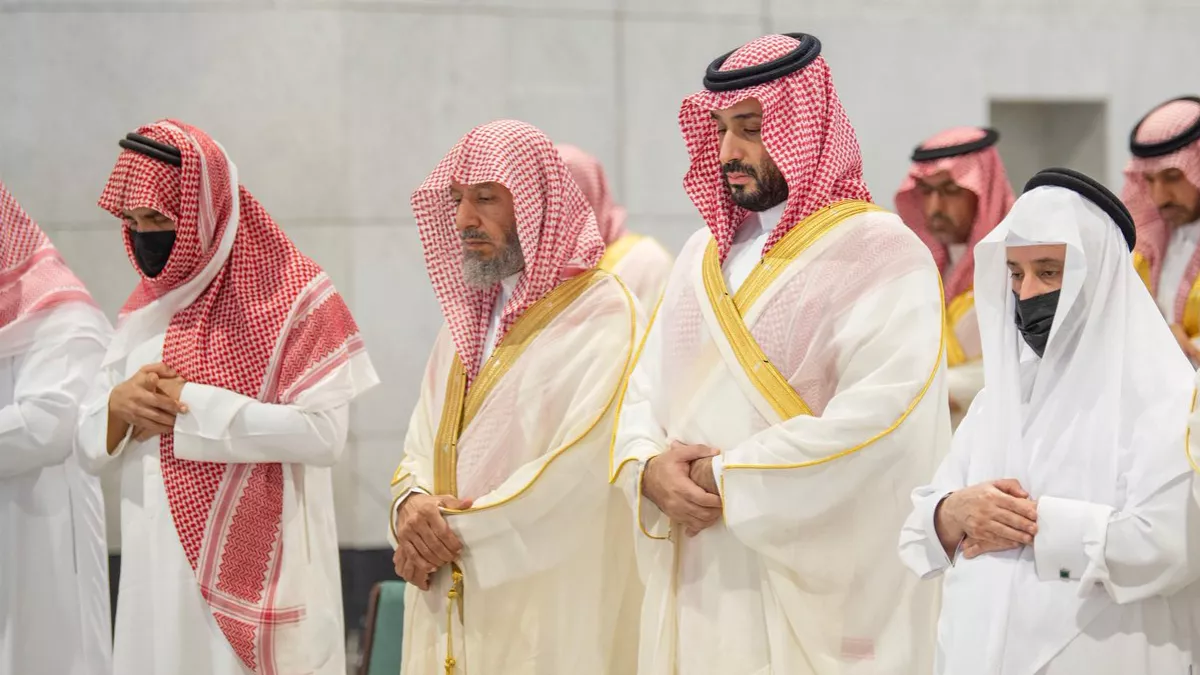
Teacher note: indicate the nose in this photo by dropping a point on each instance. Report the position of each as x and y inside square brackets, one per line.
[1159, 193]
[1031, 287]
[933, 203]
[465, 215]
[731, 149]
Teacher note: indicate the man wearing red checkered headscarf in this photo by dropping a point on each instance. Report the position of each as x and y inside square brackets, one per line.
[1162, 191]
[955, 193]
[53, 565]
[640, 261]
[222, 401]
[790, 393]
[517, 553]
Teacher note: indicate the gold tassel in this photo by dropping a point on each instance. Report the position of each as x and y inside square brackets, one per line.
[452, 598]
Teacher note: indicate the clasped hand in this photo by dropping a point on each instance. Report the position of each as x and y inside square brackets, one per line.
[424, 542]
[988, 517]
[680, 482]
[148, 402]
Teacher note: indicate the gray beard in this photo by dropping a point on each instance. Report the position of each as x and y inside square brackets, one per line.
[481, 272]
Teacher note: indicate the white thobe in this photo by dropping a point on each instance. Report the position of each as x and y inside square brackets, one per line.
[1180, 249]
[54, 608]
[1086, 540]
[163, 623]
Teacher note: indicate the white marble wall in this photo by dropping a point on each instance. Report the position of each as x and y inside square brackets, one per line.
[335, 110]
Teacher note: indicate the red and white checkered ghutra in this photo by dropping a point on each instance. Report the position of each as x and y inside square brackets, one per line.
[268, 325]
[981, 172]
[1166, 122]
[555, 227]
[805, 131]
[33, 276]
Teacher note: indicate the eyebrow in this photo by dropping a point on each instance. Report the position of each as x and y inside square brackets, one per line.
[742, 116]
[1039, 261]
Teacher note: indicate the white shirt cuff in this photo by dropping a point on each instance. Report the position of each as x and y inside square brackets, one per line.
[124, 442]
[936, 557]
[1068, 529]
[210, 411]
[718, 469]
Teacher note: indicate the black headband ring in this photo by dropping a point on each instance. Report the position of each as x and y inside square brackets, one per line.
[922, 154]
[1189, 136]
[1091, 190]
[805, 53]
[152, 149]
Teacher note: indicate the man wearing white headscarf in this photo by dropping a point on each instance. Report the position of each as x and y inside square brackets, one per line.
[1063, 518]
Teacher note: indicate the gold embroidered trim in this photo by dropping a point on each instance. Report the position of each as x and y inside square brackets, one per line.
[729, 310]
[612, 398]
[523, 331]
[787, 249]
[445, 443]
[894, 425]
[958, 307]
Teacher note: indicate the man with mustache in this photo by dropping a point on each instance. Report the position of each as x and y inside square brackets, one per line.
[788, 396]
[516, 551]
[1162, 191]
[954, 194]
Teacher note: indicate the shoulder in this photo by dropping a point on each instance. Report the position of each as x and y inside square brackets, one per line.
[885, 231]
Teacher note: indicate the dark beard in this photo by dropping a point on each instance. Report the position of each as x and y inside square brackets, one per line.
[770, 189]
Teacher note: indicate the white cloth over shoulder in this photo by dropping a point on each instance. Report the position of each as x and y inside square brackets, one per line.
[1094, 431]
[799, 577]
[54, 606]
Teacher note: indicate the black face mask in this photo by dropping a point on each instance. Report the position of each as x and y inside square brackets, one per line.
[1034, 317]
[152, 249]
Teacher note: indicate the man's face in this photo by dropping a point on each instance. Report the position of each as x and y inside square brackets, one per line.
[1178, 201]
[1036, 270]
[753, 179]
[142, 219]
[949, 208]
[487, 223]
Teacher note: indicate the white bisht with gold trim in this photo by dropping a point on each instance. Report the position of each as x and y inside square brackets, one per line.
[821, 382]
[547, 568]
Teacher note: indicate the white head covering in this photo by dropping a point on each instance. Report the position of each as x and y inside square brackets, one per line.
[1105, 420]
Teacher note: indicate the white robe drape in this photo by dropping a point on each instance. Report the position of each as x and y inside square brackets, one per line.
[163, 623]
[799, 578]
[54, 607]
[1095, 432]
[547, 568]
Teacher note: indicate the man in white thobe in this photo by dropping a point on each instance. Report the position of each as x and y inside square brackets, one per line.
[222, 402]
[54, 607]
[1062, 522]
[516, 551]
[789, 394]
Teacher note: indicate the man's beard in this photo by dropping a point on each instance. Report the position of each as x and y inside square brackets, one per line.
[1176, 215]
[481, 272]
[771, 187]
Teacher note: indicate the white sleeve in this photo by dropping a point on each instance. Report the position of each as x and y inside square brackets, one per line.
[224, 426]
[1135, 553]
[38, 428]
[93, 424]
[639, 436]
[920, 546]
